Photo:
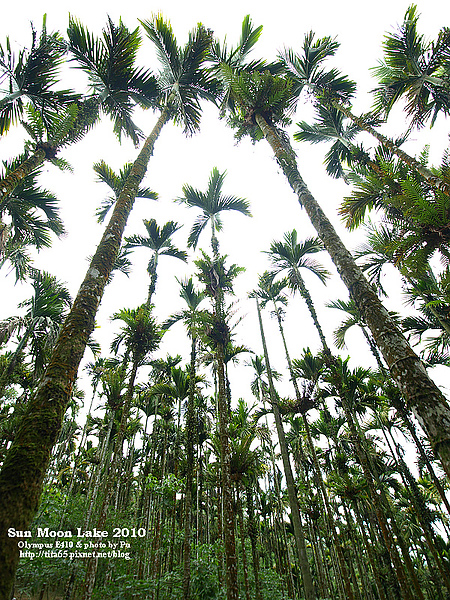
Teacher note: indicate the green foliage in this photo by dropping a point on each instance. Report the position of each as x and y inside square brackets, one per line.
[160, 437]
[215, 275]
[416, 70]
[116, 181]
[182, 78]
[416, 215]
[292, 255]
[305, 70]
[33, 214]
[31, 75]
[117, 84]
[272, 585]
[140, 333]
[211, 203]
[330, 127]
[158, 240]
[259, 93]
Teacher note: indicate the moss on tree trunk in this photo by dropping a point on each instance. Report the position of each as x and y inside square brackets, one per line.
[22, 475]
[12, 180]
[424, 398]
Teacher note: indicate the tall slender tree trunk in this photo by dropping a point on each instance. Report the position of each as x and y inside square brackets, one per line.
[308, 585]
[228, 511]
[190, 443]
[240, 516]
[228, 521]
[91, 570]
[424, 398]
[304, 292]
[253, 535]
[92, 499]
[24, 468]
[370, 554]
[153, 278]
[318, 473]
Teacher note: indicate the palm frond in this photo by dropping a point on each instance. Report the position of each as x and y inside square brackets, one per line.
[31, 76]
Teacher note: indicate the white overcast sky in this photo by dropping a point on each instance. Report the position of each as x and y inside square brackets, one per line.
[252, 172]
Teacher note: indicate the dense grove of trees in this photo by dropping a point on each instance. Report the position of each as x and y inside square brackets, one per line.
[326, 482]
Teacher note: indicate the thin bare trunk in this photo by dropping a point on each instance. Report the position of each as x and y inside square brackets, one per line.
[308, 585]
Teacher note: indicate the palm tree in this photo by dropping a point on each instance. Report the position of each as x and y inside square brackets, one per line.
[331, 88]
[115, 81]
[424, 291]
[429, 295]
[330, 126]
[159, 242]
[259, 386]
[350, 485]
[304, 400]
[353, 318]
[262, 103]
[308, 585]
[261, 390]
[30, 76]
[416, 213]
[141, 336]
[218, 279]
[33, 215]
[386, 422]
[116, 181]
[67, 127]
[415, 70]
[178, 388]
[292, 256]
[247, 465]
[192, 319]
[46, 311]
[117, 85]
[183, 83]
[350, 387]
[211, 203]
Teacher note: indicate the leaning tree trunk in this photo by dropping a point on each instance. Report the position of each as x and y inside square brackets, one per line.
[23, 471]
[424, 398]
[12, 180]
